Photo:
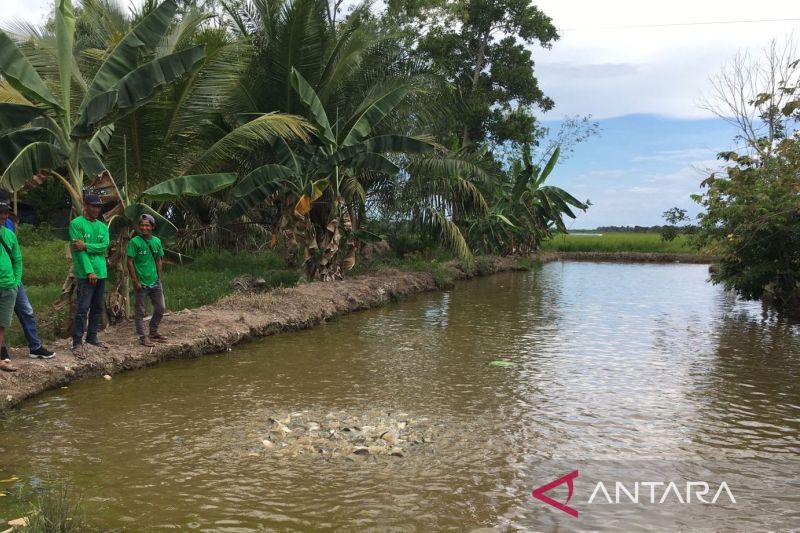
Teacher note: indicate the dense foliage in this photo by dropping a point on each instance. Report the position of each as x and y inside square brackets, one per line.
[256, 123]
[752, 213]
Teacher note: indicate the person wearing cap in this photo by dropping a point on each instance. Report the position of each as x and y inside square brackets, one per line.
[89, 237]
[145, 267]
[10, 279]
[22, 308]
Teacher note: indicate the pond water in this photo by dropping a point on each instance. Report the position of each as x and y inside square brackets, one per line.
[632, 373]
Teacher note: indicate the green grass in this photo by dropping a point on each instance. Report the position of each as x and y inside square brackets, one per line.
[200, 283]
[431, 261]
[206, 280]
[618, 242]
[51, 505]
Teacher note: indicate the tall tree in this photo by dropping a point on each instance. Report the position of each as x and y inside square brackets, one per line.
[750, 93]
[483, 47]
[752, 207]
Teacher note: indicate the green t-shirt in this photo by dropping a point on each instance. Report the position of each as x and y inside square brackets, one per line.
[144, 261]
[10, 271]
[93, 259]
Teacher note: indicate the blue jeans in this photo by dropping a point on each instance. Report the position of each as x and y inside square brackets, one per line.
[24, 312]
[90, 300]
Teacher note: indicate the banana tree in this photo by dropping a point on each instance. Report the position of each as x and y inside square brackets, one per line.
[318, 183]
[51, 130]
[523, 211]
[68, 137]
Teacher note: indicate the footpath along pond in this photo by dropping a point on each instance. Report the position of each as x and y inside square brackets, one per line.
[401, 418]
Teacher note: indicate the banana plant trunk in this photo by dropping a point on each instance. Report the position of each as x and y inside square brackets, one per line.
[118, 307]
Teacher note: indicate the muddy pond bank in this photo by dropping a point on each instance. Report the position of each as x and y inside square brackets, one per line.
[215, 328]
[241, 317]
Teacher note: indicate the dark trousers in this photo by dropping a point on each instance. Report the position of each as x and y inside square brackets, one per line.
[91, 301]
[156, 295]
[27, 319]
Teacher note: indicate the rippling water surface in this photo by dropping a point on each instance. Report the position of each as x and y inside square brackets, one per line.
[618, 369]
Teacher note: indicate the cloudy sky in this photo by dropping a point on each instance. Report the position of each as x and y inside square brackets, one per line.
[640, 68]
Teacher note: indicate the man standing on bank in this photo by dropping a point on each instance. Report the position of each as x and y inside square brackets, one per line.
[90, 239]
[145, 267]
[22, 308]
[10, 280]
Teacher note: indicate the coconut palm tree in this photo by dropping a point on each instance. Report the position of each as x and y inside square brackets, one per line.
[319, 182]
[343, 76]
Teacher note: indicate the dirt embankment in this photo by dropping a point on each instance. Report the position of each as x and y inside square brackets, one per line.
[626, 257]
[215, 328]
[237, 318]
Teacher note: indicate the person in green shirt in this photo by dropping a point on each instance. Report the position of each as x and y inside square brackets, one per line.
[10, 280]
[89, 237]
[145, 265]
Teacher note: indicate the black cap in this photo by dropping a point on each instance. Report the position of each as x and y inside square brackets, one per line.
[92, 199]
[4, 206]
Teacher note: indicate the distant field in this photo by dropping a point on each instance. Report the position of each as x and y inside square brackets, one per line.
[617, 242]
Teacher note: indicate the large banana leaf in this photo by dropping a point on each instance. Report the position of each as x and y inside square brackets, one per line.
[269, 176]
[12, 143]
[318, 116]
[522, 183]
[372, 112]
[102, 139]
[373, 161]
[197, 185]
[65, 38]
[15, 115]
[256, 187]
[286, 156]
[33, 158]
[126, 55]
[117, 224]
[91, 162]
[20, 74]
[551, 163]
[136, 89]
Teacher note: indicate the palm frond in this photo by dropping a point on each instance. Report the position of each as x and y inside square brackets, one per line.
[447, 232]
[258, 132]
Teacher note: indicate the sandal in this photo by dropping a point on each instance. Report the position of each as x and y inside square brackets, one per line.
[158, 337]
[78, 351]
[99, 344]
[6, 366]
[146, 342]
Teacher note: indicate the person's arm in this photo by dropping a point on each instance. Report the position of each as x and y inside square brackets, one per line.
[75, 234]
[131, 268]
[102, 246]
[132, 272]
[16, 255]
[159, 261]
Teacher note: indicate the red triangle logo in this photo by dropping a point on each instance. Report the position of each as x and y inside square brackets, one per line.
[539, 493]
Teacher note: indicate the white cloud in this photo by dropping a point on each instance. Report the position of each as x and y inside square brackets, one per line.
[594, 69]
[29, 10]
